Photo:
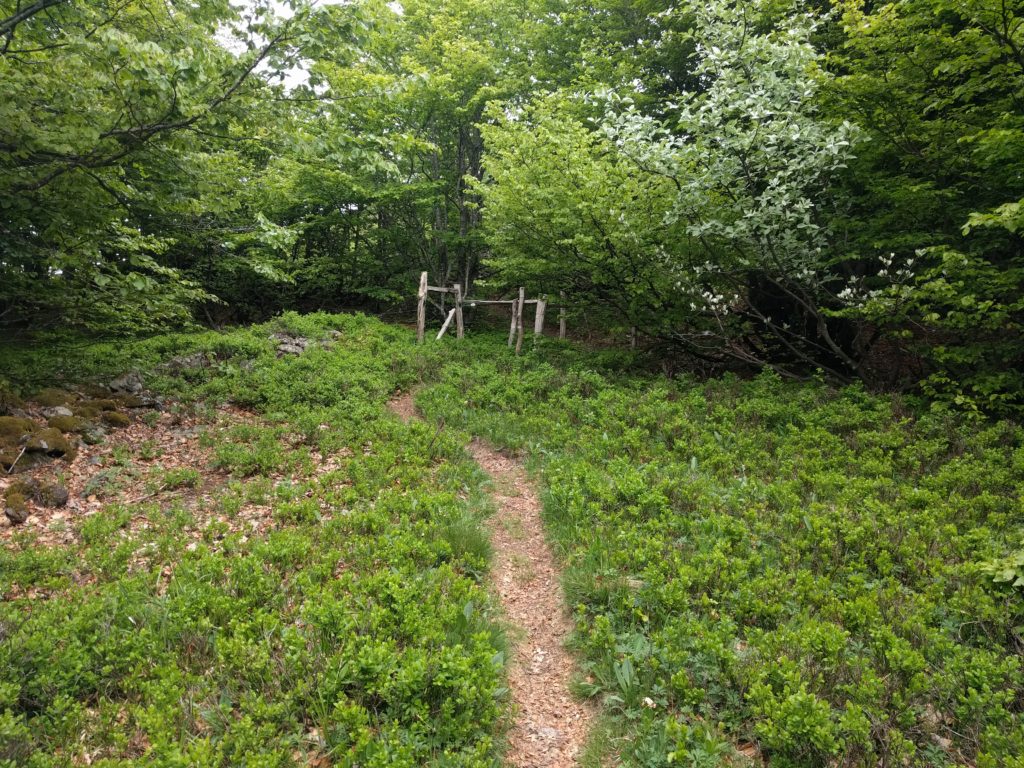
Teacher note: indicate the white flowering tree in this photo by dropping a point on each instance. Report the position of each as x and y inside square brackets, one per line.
[752, 161]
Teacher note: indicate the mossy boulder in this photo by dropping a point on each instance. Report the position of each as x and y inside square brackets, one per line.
[102, 404]
[87, 412]
[49, 441]
[68, 424]
[115, 419]
[93, 410]
[12, 435]
[93, 434]
[13, 428]
[94, 390]
[15, 506]
[46, 493]
[134, 401]
[51, 396]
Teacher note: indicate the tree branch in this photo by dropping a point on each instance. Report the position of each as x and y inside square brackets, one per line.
[7, 25]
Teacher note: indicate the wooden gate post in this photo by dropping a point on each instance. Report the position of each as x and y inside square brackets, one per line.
[538, 317]
[458, 311]
[561, 315]
[421, 308]
[447, 322]
[519, 320]
[512, 328]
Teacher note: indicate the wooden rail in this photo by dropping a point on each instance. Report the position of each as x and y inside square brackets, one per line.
[515, 331]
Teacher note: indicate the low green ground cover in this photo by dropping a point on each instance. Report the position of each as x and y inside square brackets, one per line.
[769, 568]
[759, 570]
[354, 632]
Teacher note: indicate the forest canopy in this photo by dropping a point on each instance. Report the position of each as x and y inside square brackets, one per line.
[798, 186]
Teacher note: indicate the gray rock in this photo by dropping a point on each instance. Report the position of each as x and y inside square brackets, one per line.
[53, 495]
[93, 435]
[17, 515]
[46, 493]
[290, 349]
[59, 410]
[129, 383]
[287, 344]
[187, 362]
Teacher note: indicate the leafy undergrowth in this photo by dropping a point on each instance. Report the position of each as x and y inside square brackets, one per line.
[768, 571]
[321, 604]
[760, 571]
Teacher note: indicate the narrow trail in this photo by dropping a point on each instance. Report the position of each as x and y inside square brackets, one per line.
[550, 726]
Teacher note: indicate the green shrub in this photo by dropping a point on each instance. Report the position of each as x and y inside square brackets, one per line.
[767, 562]
[355, 630]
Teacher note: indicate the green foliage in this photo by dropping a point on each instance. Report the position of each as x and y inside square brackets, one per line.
[710, 227]
[934, 198]
[356, 630]
[1007, 570]
[786, 185]
[787, 566]
[183, 477]
[567, 211]
[90, 173]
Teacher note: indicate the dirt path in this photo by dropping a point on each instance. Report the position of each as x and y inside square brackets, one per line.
[551, 726]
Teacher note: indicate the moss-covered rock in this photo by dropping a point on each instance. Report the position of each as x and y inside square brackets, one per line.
[94, 390]
[87, 412]
[115, 419]
[133, 401]
[49, 441]
[14, 462]
[12, 435]
[53, 495]
[68, 424]
[52, 396]
[93, 434]
[15, 506]
[104, 404]
[13, 428]
[45, 492]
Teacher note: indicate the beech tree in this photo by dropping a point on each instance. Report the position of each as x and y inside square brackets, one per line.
[117, 117]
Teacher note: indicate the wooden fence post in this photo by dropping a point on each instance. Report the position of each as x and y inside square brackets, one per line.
[519, 320]
[512, 328]
[421, 308]
[447, 322]
[561, 315]
[538, 317]
[458, 311]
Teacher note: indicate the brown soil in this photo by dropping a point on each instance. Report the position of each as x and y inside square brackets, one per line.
[551, 725]
[136, 459]
[172, 443]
